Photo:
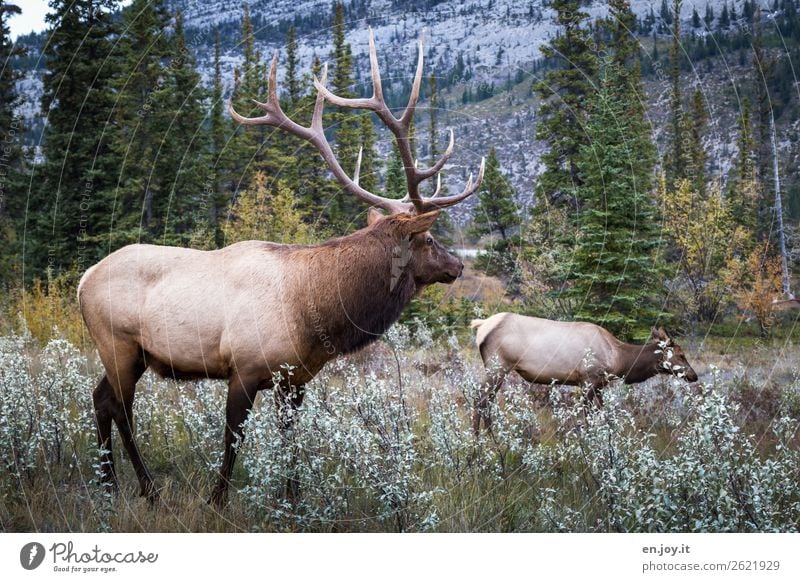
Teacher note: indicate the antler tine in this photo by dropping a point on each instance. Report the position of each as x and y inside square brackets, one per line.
[377, 88]
[437, 167]
[319, 104]
[438, 186]
[358, 166]
[434, 203]
[408, 114]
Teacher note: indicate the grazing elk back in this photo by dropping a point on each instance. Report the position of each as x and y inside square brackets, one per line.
[249, 312]
[575, 353]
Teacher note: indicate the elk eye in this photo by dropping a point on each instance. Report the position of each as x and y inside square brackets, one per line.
[429, 241]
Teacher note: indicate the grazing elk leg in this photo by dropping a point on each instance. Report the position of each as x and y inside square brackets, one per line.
[488, 392]
[103, 397]
[593, 396]
[241, 396]
[125, 379]
[287, 401]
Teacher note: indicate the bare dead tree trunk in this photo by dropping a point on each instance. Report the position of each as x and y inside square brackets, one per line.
[787, 291]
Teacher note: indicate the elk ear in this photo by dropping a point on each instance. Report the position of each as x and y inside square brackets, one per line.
[659, 334]
[373, 216]
[420, 223]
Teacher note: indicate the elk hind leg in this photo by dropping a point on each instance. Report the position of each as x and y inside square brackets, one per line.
[486, 396]
[104, 404]
[126, 372]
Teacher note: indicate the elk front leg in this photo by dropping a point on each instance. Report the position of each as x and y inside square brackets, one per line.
[287, 401]
[241, 395]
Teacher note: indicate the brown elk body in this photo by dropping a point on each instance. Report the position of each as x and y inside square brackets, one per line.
[260, 314]
[573, 353]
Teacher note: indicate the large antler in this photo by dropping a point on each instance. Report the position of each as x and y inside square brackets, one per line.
[413, 202]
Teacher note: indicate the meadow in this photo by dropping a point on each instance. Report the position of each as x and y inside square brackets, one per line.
[384, 442]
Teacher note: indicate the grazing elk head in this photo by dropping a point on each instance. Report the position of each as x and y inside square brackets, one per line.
[674, 360]
[407, 221]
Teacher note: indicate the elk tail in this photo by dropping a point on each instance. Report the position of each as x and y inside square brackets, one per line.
[476, 323]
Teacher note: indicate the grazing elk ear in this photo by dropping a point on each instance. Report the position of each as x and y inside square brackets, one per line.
[659, 334]
[374, 215]
[420, 223]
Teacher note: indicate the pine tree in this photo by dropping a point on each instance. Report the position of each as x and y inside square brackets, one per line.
[72, 213]
[615, 271]
[564, 93]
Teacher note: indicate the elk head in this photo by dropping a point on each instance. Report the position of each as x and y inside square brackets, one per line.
[674, 359]
[408, 220]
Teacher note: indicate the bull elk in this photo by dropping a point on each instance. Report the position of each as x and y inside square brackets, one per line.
[574, 353]
[260, 314]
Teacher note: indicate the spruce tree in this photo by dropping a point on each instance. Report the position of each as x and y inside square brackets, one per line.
[497, 211]
[220, 130]
[182, 157]
[344, 207]
[696, 126]
[743, 184]
[614, 270]
[564, 92]
[72, 213]
[13, 158]
[142, 114]
[675, 155]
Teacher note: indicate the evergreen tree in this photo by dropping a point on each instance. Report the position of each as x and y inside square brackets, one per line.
[708, 18]
[697, 122]
[13, 158]
[443, 227]
[344, 207]
[564, 92]
[743, 184]
[615, 270]
[142, 115]
[313, 187]
[369, 163]
[220, 130]
[182, 160]
[292, 80]
[395, 186]
[497, 211]
[724, 18]
[72, 213]
[675, 154]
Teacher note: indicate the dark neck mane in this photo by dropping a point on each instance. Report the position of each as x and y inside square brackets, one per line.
[639, 363]
[349, 297]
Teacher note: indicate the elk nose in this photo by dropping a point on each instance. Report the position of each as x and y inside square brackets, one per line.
[460, 268]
